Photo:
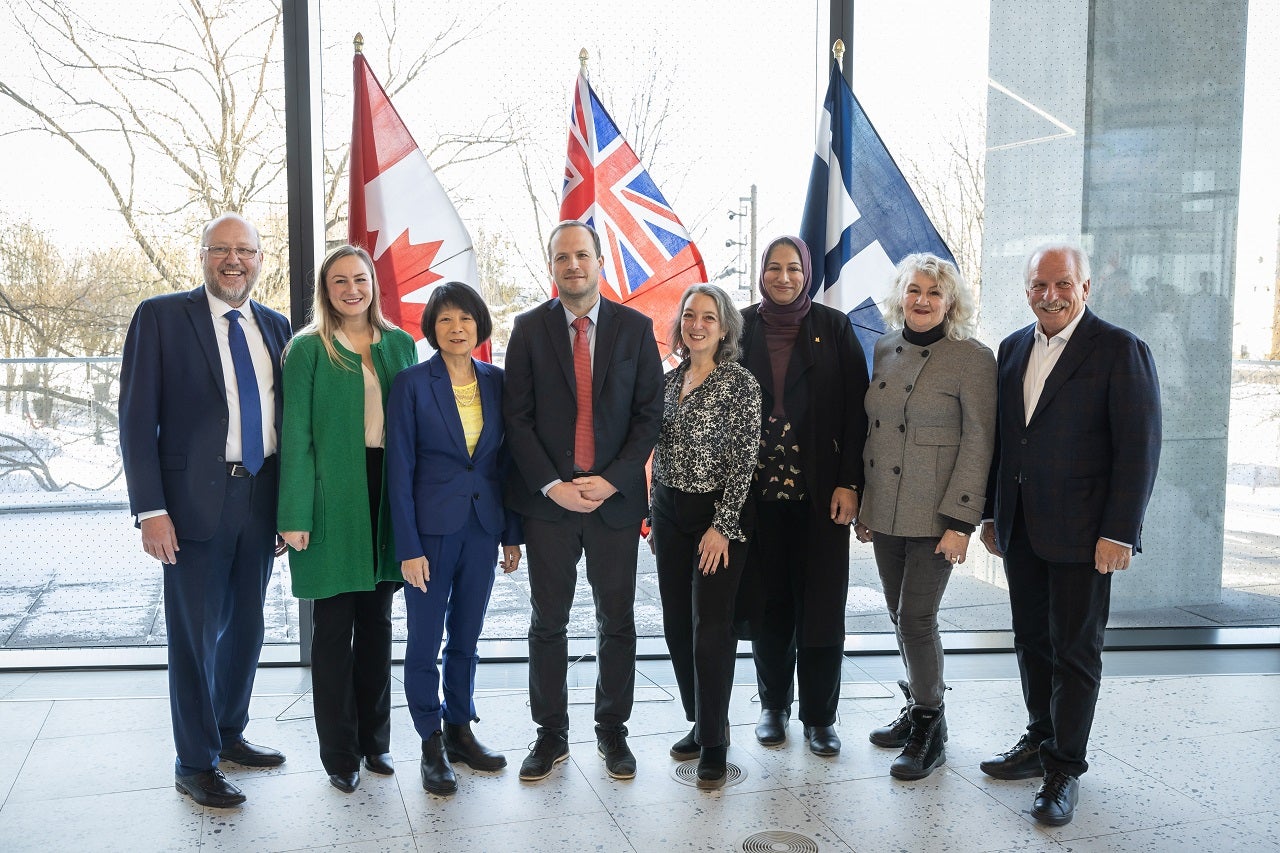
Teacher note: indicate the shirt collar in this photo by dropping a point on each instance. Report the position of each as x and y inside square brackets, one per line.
[1064, 336]
[219, 308]
[594, 313]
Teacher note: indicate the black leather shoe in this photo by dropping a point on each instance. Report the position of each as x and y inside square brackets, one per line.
[548, 750]
[463, 748]
[345, 782]
[686, 749]
[712, 768]
[210, 788]
[251, 755]
[823, 740]
[1055, 802]
[437, 773]
[380, 763]
[1021, 762]
[772, 728]
[618, 760]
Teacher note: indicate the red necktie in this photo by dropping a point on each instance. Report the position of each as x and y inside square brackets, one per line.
[584, 433]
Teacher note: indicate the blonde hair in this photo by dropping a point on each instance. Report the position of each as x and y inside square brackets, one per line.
[325, 319]
[961, 313]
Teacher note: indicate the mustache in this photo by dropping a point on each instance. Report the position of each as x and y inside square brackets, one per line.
[1057, 304]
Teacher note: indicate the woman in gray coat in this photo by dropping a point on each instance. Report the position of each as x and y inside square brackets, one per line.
[931, 410]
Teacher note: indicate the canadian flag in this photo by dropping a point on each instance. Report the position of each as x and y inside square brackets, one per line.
[399, 211]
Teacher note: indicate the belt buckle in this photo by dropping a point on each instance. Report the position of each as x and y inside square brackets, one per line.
[235, 469]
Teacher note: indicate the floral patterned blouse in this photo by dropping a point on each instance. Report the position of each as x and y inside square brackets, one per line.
[709, 441]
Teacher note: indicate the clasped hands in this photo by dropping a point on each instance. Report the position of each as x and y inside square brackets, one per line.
[582, 494]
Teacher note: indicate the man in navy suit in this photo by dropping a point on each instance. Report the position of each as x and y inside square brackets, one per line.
[1077, 444]
[200, 413]
[580, 485]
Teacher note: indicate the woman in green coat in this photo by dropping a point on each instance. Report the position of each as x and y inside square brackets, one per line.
[333, 508]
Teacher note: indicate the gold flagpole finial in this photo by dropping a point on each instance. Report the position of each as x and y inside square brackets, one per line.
[837, 50]
[583, 56]
[359, 42]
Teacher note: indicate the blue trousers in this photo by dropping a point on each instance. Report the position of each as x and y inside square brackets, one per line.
[213, 599]
[462, 569]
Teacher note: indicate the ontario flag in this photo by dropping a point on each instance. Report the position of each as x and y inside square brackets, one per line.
[649, 258]
[399, 211]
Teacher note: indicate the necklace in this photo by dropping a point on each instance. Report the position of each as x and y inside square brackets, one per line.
[466, 395]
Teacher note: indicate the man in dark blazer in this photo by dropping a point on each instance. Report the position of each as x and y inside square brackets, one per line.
[1077, 445]
[202, 484]
[579, 483]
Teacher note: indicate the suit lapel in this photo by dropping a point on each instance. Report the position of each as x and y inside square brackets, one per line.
[491, 406]
[558, 333]
[1073, 355]
[446, 403]
[606, 334]
[202, 324]
[1014, 371]
[802, 353]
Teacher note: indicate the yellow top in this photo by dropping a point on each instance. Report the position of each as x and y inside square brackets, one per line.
[468, 400]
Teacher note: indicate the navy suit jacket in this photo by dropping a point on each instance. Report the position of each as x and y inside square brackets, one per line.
[540, 406]
[432, 481]
[1085, 464]
[173, 408]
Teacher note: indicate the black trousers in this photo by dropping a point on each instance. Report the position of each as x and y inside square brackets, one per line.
[1060, 612]
[554, 549]
[351, 676]
[697, 609]
[782, 549]
[351, 658]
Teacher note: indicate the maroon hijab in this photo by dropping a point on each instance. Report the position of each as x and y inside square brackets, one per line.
[782, 322]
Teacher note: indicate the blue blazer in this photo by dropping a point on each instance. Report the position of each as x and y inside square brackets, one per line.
[1085, 464]
[432, 482]
[173, 408]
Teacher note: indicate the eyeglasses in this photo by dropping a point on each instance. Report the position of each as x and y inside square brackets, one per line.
[242, 252]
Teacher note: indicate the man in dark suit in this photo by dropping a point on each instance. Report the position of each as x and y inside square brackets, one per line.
[200, 413]
[583, 404]
[1077, 444]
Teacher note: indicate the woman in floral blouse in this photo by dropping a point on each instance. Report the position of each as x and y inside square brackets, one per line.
[702, 471]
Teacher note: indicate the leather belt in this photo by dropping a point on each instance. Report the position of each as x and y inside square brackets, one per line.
[235, 469]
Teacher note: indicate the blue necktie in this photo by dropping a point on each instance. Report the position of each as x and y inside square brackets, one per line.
[250, 402]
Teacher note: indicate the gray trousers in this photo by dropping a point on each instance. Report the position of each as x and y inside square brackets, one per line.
[914, 579]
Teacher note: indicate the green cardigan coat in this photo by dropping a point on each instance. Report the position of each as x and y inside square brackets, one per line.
[323, 481]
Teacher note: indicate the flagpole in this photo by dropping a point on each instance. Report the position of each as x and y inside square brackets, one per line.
[837, 50]
[359, 43]
[583, 56]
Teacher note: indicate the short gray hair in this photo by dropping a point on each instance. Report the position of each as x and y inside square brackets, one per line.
[1079, 260]
[730, 323]
[961, 313]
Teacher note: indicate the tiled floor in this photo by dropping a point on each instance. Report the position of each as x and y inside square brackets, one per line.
[1183, 752]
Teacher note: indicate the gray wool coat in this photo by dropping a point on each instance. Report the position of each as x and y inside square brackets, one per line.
[931, 415]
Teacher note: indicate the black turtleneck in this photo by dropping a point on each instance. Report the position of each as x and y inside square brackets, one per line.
[923, 339]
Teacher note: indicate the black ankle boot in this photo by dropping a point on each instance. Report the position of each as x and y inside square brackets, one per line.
[923, 753]
[461, 746]
[437, 774]
[894, 735]
[712, 767]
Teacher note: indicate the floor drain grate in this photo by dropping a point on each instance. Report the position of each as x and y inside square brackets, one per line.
[778, 841]
[686, 773]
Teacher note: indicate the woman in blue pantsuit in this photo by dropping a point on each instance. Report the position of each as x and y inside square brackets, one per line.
[445, 460]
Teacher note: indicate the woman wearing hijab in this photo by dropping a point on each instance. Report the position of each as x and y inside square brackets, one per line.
[813, 378]
[932, 411]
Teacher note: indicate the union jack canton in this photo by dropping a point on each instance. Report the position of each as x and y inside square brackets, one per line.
[645, 246]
